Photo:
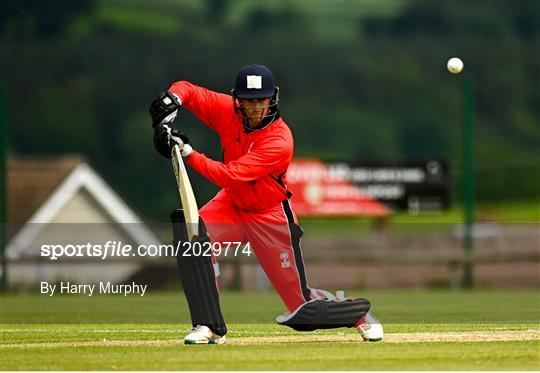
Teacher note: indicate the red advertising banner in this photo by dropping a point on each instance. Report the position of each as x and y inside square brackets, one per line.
[319, 192]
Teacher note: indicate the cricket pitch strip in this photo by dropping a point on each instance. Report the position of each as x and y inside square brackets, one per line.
[476, 336]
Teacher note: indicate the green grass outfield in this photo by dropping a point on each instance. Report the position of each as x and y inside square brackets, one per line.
[431, 330]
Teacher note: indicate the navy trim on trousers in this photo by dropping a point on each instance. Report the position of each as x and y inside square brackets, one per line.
[296, 233]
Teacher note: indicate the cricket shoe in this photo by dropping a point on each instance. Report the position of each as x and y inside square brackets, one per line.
[370, 328]
[202, 335]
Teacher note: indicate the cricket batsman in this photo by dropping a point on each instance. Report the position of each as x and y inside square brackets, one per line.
[252, 206]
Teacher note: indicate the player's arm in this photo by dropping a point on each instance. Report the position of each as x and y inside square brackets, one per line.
[264, 158]
[209, 106]
[267, 156]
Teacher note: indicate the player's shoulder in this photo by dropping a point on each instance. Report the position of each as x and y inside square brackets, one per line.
[277, 135]
[282, 128]
[277, 130]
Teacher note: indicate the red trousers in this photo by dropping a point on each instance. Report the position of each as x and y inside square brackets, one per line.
[274, 238]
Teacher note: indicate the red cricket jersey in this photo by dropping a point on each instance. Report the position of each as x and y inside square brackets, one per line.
[254, 163]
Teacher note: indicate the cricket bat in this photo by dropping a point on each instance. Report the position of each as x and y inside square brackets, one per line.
[187, 198]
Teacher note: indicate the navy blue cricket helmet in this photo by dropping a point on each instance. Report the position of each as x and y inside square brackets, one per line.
[256, 82]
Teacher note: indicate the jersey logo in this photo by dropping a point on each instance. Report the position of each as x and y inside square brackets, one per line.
[285, 263]
[254, 81]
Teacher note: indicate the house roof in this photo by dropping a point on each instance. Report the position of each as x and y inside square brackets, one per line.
[32, 180]
[41, 187]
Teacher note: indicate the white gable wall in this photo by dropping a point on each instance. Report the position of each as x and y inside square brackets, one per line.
[82, 208]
